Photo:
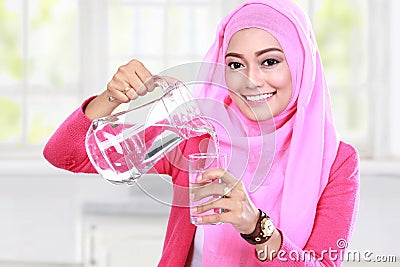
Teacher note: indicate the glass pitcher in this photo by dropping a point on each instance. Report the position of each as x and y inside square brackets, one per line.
[127, 144]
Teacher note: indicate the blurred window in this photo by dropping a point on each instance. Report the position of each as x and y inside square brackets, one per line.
[161, 33]
[55, 53]
[38, 71]
[340, 28]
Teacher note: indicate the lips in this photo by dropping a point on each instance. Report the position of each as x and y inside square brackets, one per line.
[259, 97]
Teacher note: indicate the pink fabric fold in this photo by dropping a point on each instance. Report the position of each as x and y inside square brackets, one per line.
[285, 170]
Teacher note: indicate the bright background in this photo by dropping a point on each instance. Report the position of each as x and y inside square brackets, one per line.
[56, 53]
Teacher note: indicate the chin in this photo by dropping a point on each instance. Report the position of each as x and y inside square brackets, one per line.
[259, 113]
[257, 116]
[261, 118]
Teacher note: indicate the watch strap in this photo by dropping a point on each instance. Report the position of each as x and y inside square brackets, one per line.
[260, 234]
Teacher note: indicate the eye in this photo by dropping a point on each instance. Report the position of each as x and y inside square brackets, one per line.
[235, 65]
[270, 62]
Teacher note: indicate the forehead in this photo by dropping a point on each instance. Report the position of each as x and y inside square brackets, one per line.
[252, 38]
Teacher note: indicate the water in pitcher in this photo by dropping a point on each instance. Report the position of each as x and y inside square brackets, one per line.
[156, 147]
[121, 153]
[125, 145]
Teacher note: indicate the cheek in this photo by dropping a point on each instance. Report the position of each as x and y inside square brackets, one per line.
[249, 112]
[234, 80]
[284, 86]
[282, 81]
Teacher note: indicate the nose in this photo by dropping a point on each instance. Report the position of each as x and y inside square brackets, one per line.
[255, 77]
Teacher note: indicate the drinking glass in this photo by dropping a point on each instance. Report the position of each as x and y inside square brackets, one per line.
[199, 163]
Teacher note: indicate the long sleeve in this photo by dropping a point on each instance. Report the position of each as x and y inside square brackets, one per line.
[66, 147]
[334, 221]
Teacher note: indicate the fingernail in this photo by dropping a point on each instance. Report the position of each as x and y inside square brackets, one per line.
[200, 178]
[193, 210]
[191, 196]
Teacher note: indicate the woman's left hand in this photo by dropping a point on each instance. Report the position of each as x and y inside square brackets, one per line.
[238, 208]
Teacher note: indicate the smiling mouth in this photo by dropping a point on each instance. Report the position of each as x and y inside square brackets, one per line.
[260, 97]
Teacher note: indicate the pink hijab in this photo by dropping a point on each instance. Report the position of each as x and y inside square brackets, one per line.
[284, 171]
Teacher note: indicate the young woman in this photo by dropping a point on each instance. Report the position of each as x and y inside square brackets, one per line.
[291, 202]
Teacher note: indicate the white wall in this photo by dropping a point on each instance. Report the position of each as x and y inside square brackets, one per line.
[43, 210]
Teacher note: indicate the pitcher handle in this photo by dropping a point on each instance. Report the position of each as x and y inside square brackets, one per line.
[166, 83]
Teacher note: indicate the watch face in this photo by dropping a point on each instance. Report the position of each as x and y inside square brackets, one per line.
[267, 227]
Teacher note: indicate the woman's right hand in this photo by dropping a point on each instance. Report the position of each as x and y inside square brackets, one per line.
[129, 82]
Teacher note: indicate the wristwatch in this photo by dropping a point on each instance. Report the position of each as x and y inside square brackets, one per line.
[263, 231]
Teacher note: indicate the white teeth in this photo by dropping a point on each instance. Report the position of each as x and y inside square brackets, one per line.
[258, 97]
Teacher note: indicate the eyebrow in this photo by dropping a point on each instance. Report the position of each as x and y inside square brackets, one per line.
[258, 53]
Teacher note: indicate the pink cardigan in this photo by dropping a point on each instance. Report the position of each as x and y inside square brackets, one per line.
[334, 221]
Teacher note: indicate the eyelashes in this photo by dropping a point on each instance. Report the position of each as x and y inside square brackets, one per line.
[266, 63]
[235, 65]
[271, 62]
